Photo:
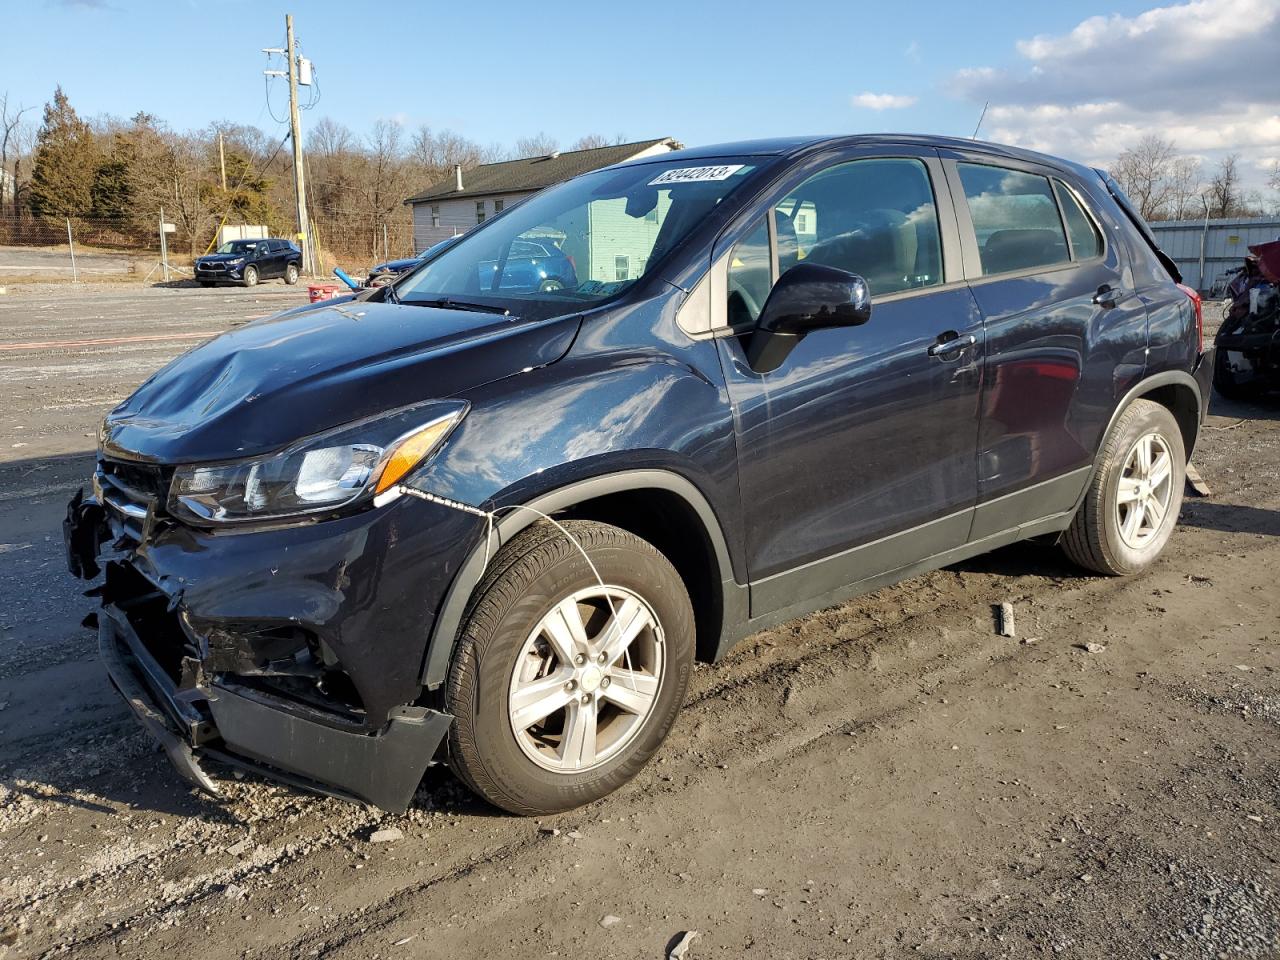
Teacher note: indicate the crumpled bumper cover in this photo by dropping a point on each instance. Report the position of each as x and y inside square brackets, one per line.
[246, 727]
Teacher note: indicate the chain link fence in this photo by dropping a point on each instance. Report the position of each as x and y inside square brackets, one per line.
[76, 248]
[83, 248]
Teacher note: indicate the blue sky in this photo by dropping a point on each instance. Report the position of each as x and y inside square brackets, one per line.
[700, 72]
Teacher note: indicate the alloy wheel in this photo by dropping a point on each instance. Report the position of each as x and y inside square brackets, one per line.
[586, 679]
[1145, 491]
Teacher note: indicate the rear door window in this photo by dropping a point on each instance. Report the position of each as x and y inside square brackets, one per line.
[1015, 217]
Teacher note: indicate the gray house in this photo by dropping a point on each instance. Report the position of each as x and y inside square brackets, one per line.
[471, 196]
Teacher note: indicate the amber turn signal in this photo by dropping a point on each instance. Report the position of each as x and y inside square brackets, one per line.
[410, 450]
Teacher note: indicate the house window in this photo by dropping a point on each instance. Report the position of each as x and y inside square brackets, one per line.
[435, 214]
[497, 206]
[622, 268]
[479, 211]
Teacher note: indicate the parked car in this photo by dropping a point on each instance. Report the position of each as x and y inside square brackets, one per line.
[247, 261]
[534, 263]
[453, 519]
[384, 273]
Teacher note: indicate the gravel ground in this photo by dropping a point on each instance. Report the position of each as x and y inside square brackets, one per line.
[888, 778]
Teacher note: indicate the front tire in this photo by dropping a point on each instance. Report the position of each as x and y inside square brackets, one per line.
[250, 276]
[1132, 504]
[556, 703]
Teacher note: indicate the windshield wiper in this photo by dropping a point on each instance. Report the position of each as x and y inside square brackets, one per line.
[451, 304]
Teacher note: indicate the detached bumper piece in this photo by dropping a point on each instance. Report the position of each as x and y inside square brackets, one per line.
[249, 728]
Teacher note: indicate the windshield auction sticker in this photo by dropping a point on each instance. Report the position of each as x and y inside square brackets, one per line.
[696, 174]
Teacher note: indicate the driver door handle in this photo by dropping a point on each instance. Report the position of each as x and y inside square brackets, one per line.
[953, 345]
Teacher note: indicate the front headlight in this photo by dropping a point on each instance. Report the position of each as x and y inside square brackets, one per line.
[235, 261]
[331, 470]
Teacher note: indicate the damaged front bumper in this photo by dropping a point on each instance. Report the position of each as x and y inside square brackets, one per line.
[183, 635]
[249, 728]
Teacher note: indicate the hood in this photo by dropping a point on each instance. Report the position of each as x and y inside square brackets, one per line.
[216, 257]
[396, 265]
[276, 380]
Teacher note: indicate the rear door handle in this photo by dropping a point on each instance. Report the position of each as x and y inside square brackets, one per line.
[1108, 296]
[952, 345]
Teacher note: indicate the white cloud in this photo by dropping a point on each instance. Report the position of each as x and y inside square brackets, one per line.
[1193, 73]
[883, 101]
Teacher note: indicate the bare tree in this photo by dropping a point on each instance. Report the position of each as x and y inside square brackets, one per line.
[592, 141]
[11, 130]
[539, 145]
[382, 183]
[1143, 172]
[1224, 188]
[1186, 183]
[331, 175]
[328, 138]
[436, 154]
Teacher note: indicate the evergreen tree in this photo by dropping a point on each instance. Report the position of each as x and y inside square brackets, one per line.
[65, 162]
[246, 199]
[112, 191]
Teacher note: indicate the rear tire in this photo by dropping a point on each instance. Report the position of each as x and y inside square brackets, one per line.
[516, 657]
[1132, 504]
[291, 274]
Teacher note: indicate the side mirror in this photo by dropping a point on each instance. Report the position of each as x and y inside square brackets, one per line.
[807, 297]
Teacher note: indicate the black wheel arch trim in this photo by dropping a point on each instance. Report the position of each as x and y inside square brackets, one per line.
[1165, 378]
[444, 630]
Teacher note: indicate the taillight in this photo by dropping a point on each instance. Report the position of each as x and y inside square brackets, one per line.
[1199, 305]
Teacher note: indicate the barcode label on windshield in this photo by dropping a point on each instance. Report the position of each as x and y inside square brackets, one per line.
[696, 174]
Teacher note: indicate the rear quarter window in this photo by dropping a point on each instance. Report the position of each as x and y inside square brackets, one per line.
[1086, 241]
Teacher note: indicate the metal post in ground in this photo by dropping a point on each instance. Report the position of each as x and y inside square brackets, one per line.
[75, 277]
[1204, 235]
[164, 248]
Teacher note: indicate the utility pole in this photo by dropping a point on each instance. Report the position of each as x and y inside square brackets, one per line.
[222, 162]
[295, 132]
[164, 247]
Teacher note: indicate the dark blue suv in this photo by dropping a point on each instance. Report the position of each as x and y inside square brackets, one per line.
[247, 262]
[462, 519]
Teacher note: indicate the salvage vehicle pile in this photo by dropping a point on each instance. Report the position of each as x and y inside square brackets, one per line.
[1248, 342]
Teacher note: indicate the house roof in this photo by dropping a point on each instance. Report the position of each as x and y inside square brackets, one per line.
[533, 173]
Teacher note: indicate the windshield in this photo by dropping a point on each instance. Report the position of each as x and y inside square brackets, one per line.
[580, 242]
[238, 246]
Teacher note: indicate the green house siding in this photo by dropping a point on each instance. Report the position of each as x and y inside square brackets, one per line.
[620, 244]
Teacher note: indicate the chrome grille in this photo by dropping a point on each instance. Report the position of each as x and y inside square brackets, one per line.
[132, 490]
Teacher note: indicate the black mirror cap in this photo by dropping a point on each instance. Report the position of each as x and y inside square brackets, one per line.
[807, 297]
[810, 296]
